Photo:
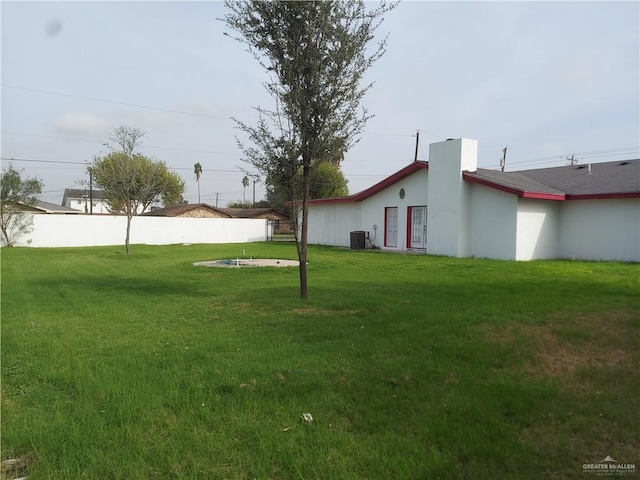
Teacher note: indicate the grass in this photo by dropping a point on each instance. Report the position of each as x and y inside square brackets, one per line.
[146, 367]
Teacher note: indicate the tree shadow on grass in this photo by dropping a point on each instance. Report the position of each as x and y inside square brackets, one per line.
[111, 284]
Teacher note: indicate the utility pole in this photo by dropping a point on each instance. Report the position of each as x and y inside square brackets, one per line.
[217, 199]
[415, 157]
[90, 193]
[572, 159]
[503, 160]
[253, 204]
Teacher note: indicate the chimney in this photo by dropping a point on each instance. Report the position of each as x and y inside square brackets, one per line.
[447, 196]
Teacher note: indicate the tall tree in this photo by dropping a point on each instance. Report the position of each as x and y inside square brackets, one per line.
[125, 139]
[245, 184]
[197, 169]
[316, 54]
[133, 182]
[15, 194]
[327, 181]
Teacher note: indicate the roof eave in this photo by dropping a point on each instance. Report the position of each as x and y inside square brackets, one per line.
[378, 187]
[544, 196]
[349, 199]
[514, 191]
[604, 196]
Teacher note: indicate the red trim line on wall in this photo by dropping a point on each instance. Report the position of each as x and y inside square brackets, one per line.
[385, 225]
[409, 220]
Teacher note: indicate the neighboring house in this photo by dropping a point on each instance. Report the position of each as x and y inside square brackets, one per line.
[85, 200]
[191, 210]
[51, 208]
[205, 210]
[280, 221]
[449, 206]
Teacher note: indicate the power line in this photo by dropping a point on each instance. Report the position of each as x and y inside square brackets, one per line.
[102, 143]
[168, 110]
[389, 134]
[586, 154]
[117, 103]
[50, 136]
[12, 159]
[431, 134]
[57, 137]
[181, 112]
[37, 160]
[592, 153]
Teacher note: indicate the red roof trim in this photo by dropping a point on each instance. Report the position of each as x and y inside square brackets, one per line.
[604, 196]
[514, 191]
[350, 198]
[544, 196]
[378, 187]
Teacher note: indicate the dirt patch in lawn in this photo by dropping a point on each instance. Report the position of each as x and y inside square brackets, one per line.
[248, 262]
[563, 345]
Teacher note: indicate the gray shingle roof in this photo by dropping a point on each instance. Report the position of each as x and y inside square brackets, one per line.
[80, 193]
[230, 212]
[250, 212]
[54, 208]
[609, 178]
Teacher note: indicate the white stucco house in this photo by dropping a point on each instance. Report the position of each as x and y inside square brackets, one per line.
[85, 200]
[449, 206]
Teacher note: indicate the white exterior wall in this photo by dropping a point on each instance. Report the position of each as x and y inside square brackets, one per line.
[600, 230]
[373, 208]
[449, 197]
[538, 229]
[99, 207]
[467, 219]
[492, 223]
[80, 204]
[94, 230]
[332, 223]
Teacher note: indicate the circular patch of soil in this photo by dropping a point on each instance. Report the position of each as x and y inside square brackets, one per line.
[248, 262]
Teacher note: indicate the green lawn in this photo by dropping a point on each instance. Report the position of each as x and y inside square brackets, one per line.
[413, 367]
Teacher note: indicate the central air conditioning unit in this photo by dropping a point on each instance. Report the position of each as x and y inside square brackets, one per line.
[359, 240]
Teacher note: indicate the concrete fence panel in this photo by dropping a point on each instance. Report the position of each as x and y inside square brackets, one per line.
[95, 230]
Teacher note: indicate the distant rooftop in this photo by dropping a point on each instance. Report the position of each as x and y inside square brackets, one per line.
[82, 193]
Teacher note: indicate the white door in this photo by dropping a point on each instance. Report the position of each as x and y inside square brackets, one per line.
[418, 227]
[391, 227]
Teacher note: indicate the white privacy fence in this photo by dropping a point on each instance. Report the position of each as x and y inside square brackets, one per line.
[94, 230]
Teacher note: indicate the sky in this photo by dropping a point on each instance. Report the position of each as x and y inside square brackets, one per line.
[547, 80]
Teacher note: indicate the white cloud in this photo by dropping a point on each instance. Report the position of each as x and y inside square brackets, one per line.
[151, 121]
[544, 78]
[82, 123]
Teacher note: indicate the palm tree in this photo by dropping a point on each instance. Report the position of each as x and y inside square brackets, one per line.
[245, 184]
[197, 169]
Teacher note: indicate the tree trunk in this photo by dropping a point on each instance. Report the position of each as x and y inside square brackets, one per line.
[7, 239]
[302, 244]
[126, 240]
[302, 257]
